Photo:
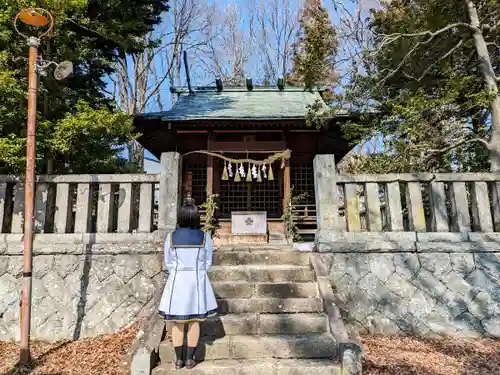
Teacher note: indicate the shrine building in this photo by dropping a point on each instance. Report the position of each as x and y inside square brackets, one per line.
[236, 123]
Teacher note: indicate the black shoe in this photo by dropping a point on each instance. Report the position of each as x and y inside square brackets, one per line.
[179, 364]
[190, 363]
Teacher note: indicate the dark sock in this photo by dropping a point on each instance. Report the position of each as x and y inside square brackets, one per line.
[178, 352]
[190, 352]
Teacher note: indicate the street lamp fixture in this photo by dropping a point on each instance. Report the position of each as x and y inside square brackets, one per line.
[41, 19]
[34, 17]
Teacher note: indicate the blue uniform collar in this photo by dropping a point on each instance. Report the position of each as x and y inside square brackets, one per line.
[187, 237]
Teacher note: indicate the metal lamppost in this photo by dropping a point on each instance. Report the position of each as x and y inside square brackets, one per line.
[38, 18]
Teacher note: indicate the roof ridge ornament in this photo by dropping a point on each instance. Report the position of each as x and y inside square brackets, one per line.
[218, 84]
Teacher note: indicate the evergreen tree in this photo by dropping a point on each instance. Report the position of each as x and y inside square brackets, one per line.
[78, 128]
[429, 75]
[316, 47]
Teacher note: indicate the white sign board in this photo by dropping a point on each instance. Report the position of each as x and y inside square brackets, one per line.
[249, 222]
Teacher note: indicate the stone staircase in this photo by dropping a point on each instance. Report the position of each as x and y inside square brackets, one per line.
[271, 319]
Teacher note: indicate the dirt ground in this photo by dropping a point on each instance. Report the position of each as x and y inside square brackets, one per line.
[104, 355]
[409, 356]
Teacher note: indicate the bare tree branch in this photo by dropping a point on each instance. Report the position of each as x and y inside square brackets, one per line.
[140, 77]
[458, 144]
[391, 38]
[431, 34]
[445, 56]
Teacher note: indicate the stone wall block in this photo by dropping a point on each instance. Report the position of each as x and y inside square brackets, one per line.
[4, 265]
[114, 296]
[42, 265]
[127, 266]
[15, 267]
[102, 266]
[66, 264]
[428, 295]
[438, 264]
[111, 295]
[142, 287]
[126, 313]
[9, 292]
[382, 266]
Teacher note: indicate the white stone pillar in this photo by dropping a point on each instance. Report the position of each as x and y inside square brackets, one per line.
[169, 194]
[327, 200]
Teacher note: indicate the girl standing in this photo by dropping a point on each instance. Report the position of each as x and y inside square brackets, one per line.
[188, 297]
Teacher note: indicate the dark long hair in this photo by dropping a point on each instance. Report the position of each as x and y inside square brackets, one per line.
[189, 215]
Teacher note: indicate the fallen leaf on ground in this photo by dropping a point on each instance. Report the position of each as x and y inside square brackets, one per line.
[384, 355]
[389, 355]
[102, 355]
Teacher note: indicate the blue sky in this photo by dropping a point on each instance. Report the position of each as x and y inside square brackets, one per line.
[165, 92]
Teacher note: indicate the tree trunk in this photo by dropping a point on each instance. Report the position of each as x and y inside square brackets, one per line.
[491, 83]
[494, 144]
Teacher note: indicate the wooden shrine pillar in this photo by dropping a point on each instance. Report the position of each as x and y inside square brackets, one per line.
[286, 175]
[210, 165]
[286, 183]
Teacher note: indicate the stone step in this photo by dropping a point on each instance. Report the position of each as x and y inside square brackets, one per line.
[276, 290]
[251, 367]
[261, 273]
[254, 323]
[259, 346]
[254, 247]
[252, 257]
[269, 305]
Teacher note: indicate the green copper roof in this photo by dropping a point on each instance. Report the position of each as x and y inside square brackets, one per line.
[240, 104]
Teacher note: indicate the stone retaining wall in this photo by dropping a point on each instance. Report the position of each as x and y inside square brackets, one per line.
[444, 284]
[83, 285]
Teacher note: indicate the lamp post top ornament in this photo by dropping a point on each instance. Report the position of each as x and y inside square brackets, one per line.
[36, 17]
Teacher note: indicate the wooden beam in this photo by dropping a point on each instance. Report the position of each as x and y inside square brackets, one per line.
[269, 152]
[250, 146]
[192, 131]
[249, 131]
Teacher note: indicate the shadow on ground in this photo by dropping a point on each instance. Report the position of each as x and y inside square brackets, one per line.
[35, 363]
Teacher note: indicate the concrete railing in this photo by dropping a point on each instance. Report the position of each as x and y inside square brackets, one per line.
[83, 203]
[447, 202]
[96, 203]
[422, 202]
